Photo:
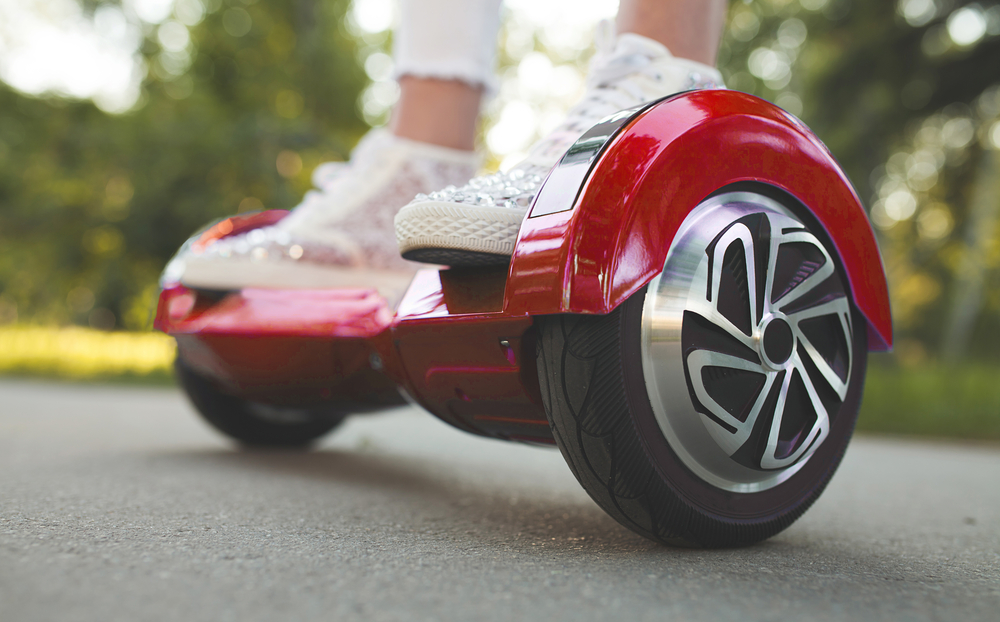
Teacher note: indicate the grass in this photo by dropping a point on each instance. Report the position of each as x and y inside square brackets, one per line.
[83, 354]
[961, 401]
[927, 400]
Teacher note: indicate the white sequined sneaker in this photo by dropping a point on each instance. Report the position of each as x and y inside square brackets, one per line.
[477, 224]
[341, 235]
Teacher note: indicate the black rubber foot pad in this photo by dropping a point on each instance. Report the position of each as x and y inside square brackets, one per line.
[456, 258]
[215, 295]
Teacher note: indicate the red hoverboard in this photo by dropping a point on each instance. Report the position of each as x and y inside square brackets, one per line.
[687, 315]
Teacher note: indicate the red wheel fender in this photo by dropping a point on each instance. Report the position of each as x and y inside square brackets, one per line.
[589, 253]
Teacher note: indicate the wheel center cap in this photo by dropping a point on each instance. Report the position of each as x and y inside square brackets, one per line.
[777, 342]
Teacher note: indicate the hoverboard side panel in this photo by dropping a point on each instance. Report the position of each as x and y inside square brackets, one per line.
[466, 362]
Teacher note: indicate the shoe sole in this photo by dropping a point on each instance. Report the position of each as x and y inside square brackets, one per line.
[455, 235]
[244, 273]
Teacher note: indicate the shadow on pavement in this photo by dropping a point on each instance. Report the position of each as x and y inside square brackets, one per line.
[493, 511]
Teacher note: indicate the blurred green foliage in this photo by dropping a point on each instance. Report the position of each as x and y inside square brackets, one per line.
[910, 112]
[960, 401]
[92, 205]
[861, 72]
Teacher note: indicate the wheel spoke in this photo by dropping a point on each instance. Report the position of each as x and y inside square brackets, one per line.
[738, 232]
[816, 434]
[802, 288]
[700, 359]
[709, 308]
[841, 308]
[708, 311]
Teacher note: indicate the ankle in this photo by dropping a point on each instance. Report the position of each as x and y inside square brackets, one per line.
[437, 112]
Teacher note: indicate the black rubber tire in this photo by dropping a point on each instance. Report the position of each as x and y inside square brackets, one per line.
[592, 386]
[235, 417]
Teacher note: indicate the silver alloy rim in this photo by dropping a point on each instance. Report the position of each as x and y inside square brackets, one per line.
[745, 378]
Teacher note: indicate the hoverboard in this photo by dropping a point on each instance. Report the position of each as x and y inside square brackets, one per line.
[687, 315]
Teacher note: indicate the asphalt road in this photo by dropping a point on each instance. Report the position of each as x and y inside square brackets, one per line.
[118, 504]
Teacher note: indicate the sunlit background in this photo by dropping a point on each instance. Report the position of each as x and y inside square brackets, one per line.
[125, 125]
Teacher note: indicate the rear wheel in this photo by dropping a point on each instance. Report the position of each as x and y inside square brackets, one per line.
[712, 407]
[254, 424]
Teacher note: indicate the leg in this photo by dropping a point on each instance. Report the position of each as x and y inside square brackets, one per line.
[665, 46]
[444, 52]
[439, 112]
[690, 29]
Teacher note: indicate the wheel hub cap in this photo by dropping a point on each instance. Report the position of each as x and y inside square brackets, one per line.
[777, 341]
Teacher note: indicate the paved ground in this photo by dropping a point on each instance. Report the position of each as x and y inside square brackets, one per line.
[118, 504]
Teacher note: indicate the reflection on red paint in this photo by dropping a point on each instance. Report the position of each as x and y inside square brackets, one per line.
[180, 305]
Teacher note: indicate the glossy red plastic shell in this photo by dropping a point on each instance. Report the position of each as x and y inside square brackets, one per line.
[321, 313]
[291, 347]
[670, 158]
[464, 360]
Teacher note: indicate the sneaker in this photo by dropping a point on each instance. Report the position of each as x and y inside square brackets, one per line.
[341, 235]
[477, 224]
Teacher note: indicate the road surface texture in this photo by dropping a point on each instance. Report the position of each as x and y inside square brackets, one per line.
[119, 504]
